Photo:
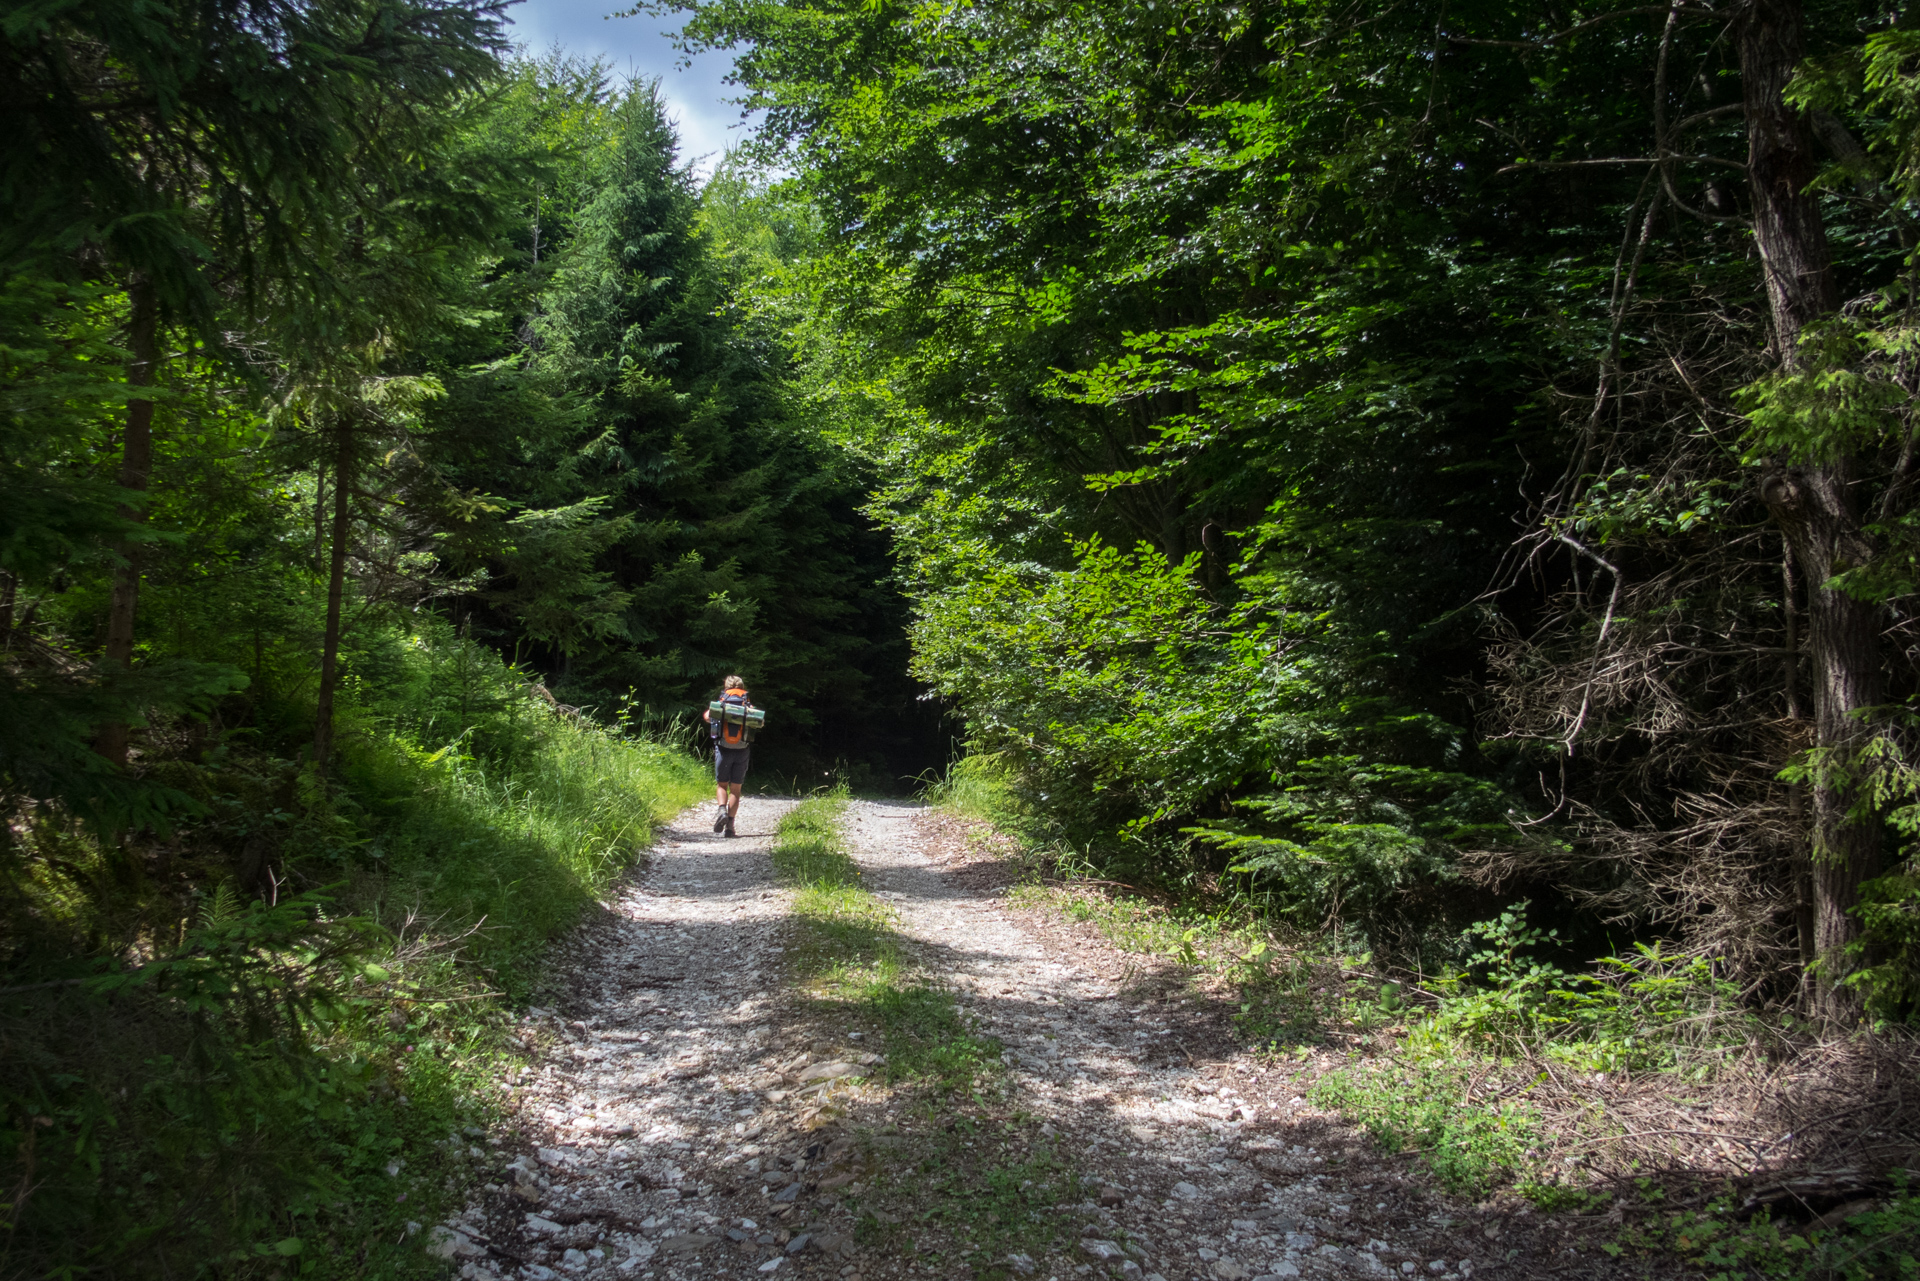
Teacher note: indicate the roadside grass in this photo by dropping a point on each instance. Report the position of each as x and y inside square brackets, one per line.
[506, 857]
[1500, 1075]
[975, 787]
[850, 959]
[289, 1067]
[1289, 995]
[1429, 1109]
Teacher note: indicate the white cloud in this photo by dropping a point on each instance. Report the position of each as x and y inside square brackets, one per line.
[637, 47]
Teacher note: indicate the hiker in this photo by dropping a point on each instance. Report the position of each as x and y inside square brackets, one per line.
[731, 720]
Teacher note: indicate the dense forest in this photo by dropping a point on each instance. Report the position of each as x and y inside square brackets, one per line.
[1380, 466]
[392, 466]
[1410, 458]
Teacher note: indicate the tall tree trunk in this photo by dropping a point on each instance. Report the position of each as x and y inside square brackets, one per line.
[336, 582]
[1813, 503]
[136, 469]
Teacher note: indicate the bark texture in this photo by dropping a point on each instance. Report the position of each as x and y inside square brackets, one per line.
[336, 583]
[136, 472]
[1813, 502]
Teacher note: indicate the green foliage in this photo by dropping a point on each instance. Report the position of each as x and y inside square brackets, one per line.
[212, 145]
[57, 353]
[1471, 1148]
[1149, 460]
[1883, 964]
[1887, 954]
[451, 343]
[1647, 1011]
[1869, 1245]
[1844, 399]
[639, 490]
[59, 384]
[250, 1082]
[1079, 677]
[1362, 833]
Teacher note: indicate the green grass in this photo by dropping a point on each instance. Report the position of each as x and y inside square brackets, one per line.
[516, 854]
[807, 849]
[986, 1189]
[978, 788]
[851, 960]
[1471, 1147]
[265, 1091]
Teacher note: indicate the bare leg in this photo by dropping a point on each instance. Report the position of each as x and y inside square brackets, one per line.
[730, 797]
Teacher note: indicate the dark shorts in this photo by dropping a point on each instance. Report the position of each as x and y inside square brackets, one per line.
[730, 764]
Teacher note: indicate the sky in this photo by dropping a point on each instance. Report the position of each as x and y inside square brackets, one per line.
[642, 47]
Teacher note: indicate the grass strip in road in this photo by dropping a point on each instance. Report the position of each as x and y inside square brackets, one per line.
[981, 1185]
[850, 958]
[976, 1193]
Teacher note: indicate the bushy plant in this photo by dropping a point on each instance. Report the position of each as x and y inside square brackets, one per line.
[1345, 835]
[1649, 1010]
[1114, 698]
[1470, 1147]
[1887, 954]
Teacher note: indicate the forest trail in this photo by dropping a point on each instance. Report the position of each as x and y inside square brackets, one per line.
[695, 1114]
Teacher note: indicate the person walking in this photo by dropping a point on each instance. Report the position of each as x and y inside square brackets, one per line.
[731, 720]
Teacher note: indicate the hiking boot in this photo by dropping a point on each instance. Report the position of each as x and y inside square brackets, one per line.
[721, 822]
[729, 819]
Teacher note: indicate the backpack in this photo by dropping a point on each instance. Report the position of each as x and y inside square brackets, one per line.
[732, 720]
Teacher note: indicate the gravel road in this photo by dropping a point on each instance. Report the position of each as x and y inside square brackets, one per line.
[693, 1115]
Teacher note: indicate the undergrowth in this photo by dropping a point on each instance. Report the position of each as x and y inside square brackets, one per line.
[263, 1082]
[1427, 1040]
[1877, 1244]
[1428, 1109]
[851, 958]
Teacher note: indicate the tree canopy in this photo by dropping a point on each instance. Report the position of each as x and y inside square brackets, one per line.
[1355, 446]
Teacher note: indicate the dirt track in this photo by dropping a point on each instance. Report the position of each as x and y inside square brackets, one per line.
[695, 1117]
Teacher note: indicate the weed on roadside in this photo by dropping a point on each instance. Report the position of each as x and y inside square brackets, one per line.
[1471, 1148]
[977, 787]
[1879, 1243]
